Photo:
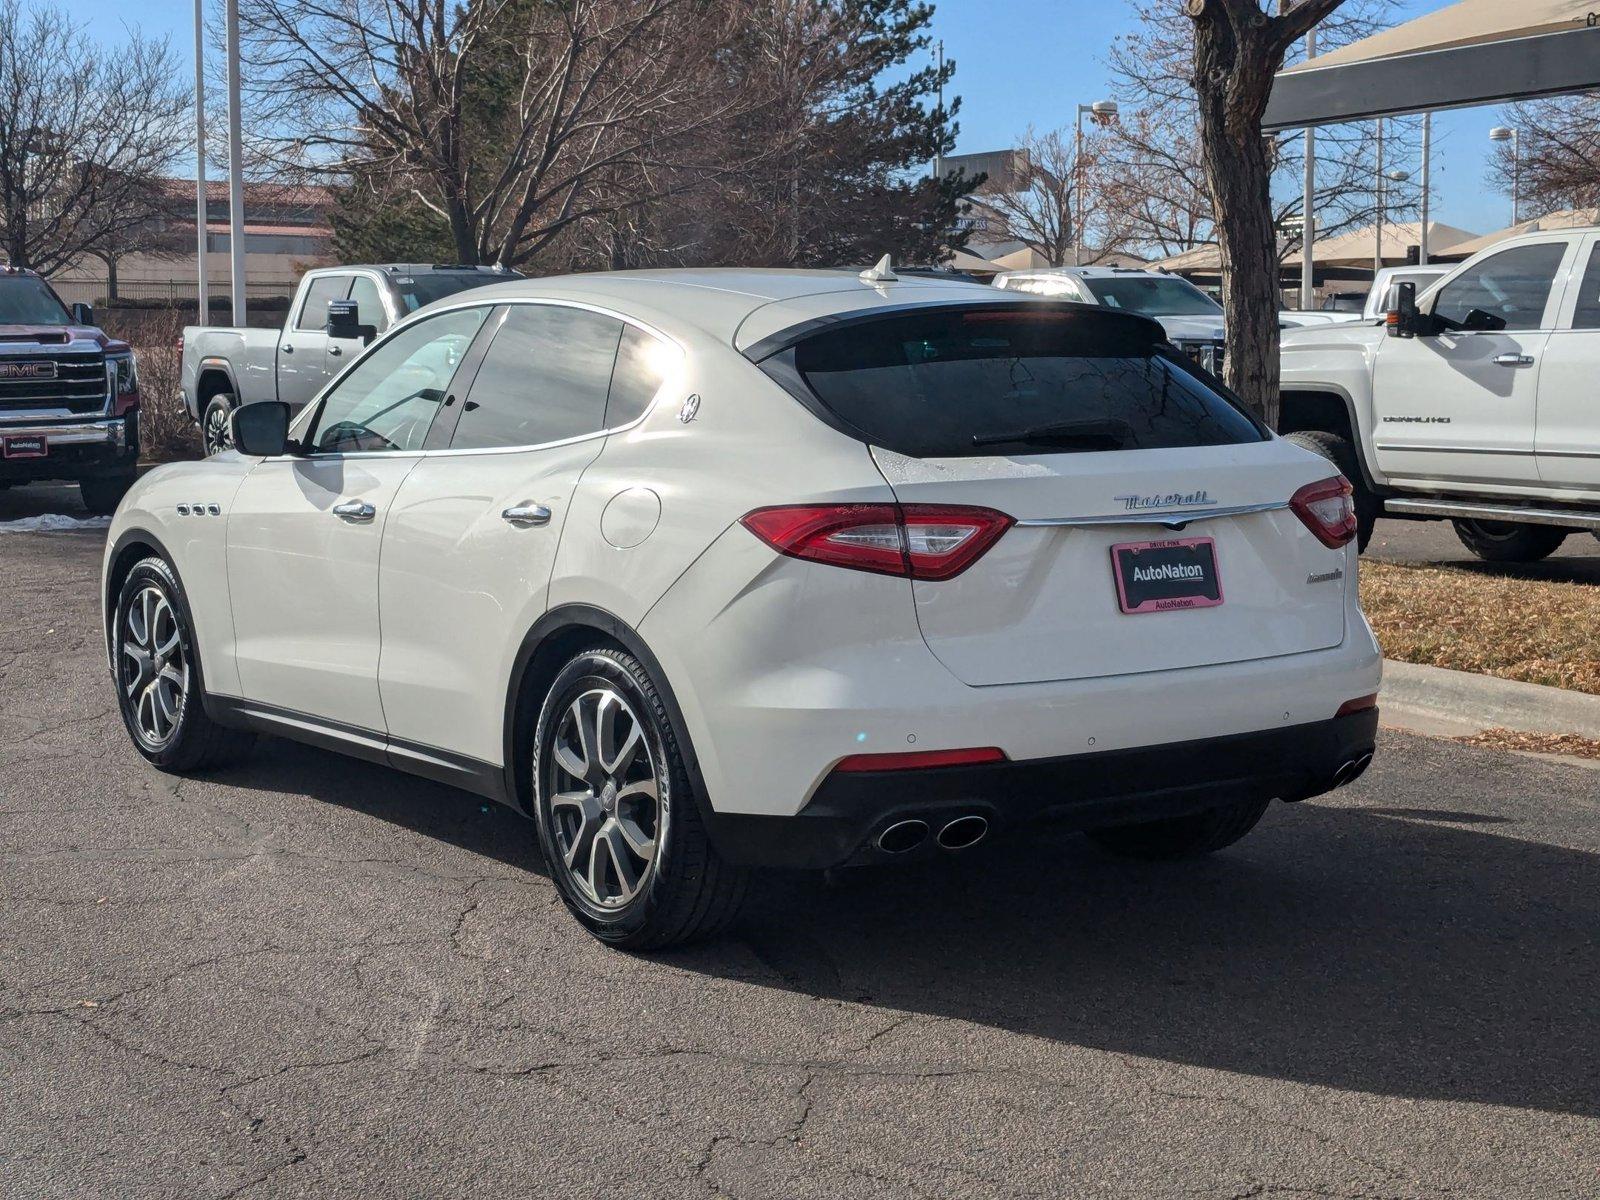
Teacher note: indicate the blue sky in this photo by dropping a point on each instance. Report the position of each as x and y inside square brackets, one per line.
[1019, 62]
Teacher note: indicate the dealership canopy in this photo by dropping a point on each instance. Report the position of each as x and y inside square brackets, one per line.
[1473, 52]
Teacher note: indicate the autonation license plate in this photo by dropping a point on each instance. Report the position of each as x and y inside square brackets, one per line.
[25, 447]
[1166, 575]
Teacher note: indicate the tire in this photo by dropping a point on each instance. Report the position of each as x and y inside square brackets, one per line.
[1342, 454]
[215, 434]
[591, 817]
[160, 692]
[103, 493]
[1182, 837]
[1505, 541]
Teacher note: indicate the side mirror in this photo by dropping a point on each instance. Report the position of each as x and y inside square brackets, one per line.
[261, 430]
[82, 314]
[1401, 319]
[344, 322]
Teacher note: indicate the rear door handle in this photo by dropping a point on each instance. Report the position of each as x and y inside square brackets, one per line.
[1513, 360]
[355, 511]
[527, 514]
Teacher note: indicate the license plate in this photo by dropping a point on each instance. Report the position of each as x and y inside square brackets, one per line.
[25, 447]
[1166, 575]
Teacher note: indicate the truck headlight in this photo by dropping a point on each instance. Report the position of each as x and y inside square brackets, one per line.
[122, 380]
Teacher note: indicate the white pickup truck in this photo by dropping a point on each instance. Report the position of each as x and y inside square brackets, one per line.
[1475, 402]
[226, 367]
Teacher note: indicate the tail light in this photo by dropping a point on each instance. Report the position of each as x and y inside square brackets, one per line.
[1328, 509]
[1359, 704]
[916, 541]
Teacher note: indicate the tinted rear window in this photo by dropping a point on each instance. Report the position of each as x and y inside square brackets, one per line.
[950, 383]
[419, 290]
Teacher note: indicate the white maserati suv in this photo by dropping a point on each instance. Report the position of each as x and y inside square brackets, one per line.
[715, 570]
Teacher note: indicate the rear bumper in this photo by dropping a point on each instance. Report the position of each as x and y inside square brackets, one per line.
[75, 449]
[1080, 791]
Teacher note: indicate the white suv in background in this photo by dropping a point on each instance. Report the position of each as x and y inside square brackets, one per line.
[714, 570]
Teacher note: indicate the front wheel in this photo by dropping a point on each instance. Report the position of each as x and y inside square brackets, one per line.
[215, 431]
[157, 667]
[616, 813]
[1183, 837]
[1507, 541]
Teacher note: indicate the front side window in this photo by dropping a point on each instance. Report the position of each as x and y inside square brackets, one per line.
[388, 399]
[1587, 314]
[1508, 290]
[543, 379]
[28, 300]
[314, 311]
[368, 303]
[961, 382]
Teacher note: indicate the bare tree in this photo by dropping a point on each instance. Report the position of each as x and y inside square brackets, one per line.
[1558, 154]
[1153, 157]
[502, 117]
[84, 134]
[1050, 195]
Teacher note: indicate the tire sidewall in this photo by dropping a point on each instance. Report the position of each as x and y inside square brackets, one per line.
[1338, 451]
[156, 571]
[621, 671]
[224, 401]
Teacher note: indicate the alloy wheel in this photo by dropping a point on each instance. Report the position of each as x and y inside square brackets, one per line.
[154, 670]
[606, 815]
[218, 437]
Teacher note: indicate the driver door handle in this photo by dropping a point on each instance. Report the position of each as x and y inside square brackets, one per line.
[527, 514]
[355, 511]
[1513, 360]
[335, 351]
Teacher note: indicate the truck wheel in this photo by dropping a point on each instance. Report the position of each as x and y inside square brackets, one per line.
[1182, 837]
[214, 431]
[1342, 454]
[1507, 541]
[103, 493]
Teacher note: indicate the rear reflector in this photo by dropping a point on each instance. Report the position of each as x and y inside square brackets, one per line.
[916, 541]
[916, 760]
[1359, 704]
[1328, 510]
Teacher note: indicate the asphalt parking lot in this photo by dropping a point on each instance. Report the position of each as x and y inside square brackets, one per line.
[310, 976]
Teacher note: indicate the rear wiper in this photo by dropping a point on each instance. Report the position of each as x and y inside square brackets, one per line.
[1103, 433]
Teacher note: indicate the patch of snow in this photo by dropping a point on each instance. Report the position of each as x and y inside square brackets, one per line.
[52, 523]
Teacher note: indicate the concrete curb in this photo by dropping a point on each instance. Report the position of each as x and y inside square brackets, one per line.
[1445, 703]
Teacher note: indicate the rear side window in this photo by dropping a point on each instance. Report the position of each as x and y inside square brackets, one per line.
[952, 383]
[642, 363]
[544, 379]
[1587, 314]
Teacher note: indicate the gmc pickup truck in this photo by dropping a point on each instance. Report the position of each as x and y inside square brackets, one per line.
[1474, 402]
[226, 367]
[69, 395]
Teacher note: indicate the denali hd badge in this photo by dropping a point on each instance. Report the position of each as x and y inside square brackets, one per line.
[1169, 500]
[37, 369]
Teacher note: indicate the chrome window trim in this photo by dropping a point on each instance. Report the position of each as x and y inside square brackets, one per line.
[302, 418]
[1172, 520]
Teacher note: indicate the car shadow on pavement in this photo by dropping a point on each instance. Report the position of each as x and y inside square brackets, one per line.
[1412, 952]
[1335, 947]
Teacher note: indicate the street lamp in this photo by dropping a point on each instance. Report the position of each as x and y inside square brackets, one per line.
[1501, 134]
[1104, 112]
[1398, 176]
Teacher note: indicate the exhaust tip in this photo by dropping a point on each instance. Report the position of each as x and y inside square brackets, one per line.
[903, 836]
[963, 832]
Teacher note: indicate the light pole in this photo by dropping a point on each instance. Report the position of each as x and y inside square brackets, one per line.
[1103, 111]
[202, 290]
[1427, 155]
[1501, 134]
[1397, 176]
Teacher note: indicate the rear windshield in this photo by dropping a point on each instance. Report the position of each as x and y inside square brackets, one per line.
[28, 300]
[952, 383]
[1152, 296]
[418, 290]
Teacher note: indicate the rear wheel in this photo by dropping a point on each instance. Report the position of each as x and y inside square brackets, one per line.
[103, 493]
[1183, 837]
[1506, 541]
[159, 688]
[1342, 454]
[616, 812]
[214, 429]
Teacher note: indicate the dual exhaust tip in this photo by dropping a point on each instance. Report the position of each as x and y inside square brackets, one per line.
[955, 834]
[1351, 771]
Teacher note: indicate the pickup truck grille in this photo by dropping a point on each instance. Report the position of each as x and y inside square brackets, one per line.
[74, 382]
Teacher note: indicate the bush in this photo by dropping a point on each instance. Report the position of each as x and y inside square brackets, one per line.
[166, 432]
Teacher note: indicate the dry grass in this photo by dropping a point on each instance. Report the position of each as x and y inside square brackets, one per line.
[1535, 743]
[1524, 629]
